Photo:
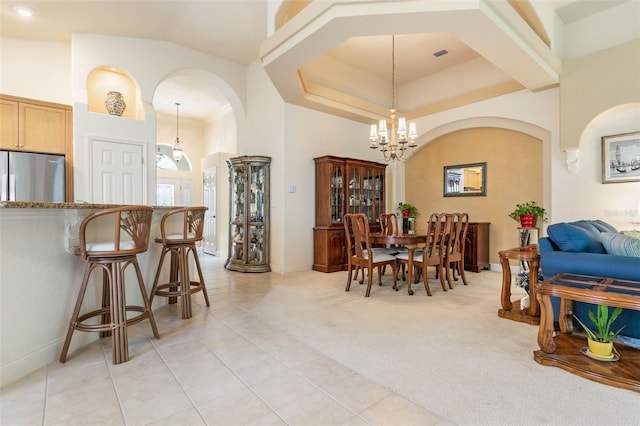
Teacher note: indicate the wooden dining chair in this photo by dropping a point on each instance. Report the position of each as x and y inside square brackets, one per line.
[389, 226]
[438, 230]
[454, 255]
[361, 254]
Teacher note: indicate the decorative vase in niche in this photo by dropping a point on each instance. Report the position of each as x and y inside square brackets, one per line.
[115, 103]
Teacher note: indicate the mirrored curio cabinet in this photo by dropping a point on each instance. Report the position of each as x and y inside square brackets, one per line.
[344, 185]
[249, 214]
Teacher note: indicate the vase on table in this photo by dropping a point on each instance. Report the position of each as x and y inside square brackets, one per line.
[115, 103]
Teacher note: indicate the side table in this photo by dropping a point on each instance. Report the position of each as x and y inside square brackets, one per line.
[563, 349]
[530, 315]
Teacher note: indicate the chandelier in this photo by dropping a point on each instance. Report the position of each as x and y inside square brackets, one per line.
[178, 147]
[395, 144]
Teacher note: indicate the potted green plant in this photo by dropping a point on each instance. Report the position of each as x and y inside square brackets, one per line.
[600, 340]
[408, 210]
[528, 214]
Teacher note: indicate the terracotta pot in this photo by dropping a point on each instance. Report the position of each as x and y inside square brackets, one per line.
[600, 349]
[528, 220]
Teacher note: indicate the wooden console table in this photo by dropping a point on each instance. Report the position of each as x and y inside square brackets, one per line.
[563, 350]
[530, 315]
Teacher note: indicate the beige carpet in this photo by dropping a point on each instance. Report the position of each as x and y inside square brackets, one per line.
[450, 353]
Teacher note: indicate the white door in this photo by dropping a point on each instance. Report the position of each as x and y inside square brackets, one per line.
[209, 201]
[117, 173]
[173, 192]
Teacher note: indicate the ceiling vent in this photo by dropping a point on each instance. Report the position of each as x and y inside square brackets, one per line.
[440, 53]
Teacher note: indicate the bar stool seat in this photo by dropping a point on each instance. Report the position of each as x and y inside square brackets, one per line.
[130, 232]
[180, 245]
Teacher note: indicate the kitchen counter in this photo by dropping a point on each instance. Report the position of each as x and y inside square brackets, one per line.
[49, 205]
[40, 277]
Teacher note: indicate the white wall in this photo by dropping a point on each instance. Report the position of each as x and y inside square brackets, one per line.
[36, 70]
[582, 195]
[148, 62]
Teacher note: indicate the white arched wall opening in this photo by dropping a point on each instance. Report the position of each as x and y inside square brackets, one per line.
[398, 168]
[617, 117]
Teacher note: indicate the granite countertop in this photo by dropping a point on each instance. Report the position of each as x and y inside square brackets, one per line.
[49, 205]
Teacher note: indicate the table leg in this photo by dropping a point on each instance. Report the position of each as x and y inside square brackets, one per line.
[545, 332]
[533, 279]
[505, 295]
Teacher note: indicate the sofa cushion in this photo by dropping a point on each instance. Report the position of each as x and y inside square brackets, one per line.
[603, 226]
[620, 244]
[580, 236]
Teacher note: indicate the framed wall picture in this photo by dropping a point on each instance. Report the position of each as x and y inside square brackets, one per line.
[621, 158]
[465, 180]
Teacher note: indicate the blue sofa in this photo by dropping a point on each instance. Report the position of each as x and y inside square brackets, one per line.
[592, 247]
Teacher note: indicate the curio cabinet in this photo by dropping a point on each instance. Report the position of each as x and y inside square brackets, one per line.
[249, 214]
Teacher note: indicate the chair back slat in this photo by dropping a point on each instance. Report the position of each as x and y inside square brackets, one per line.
[129, 233]
[189, 221]
[389, 223]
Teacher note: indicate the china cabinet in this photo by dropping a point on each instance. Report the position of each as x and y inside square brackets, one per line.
[476, 247]
[249, 214]
[344, 185]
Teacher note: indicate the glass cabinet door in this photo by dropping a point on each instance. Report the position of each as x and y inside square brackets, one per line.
[336, 194]
[237, 212]
[367, 195]
[353, 191]
[378, 194]
[255, 248]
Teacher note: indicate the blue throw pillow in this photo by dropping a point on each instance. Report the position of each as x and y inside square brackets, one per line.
[603, 226]
[576, 237]
[620, 244]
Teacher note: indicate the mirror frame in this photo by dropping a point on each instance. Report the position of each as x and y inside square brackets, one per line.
[482, 192]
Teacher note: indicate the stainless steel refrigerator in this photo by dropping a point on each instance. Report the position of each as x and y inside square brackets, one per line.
[31, 177]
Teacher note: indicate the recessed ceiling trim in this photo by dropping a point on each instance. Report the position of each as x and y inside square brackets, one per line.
[465, 99]
[488, 30]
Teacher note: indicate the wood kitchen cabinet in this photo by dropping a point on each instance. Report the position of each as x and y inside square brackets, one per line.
[344, 185]
[36, 126]
[476, 249]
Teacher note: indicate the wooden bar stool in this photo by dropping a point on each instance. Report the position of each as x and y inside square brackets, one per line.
[128, 228]
[180, 245]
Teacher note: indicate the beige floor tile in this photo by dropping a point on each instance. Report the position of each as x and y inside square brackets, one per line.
[156, 405]
[315, 409]
[109, 415]
[78, 400]
[271, 419]
[23, 402]
[323, 370]
[356, 392]
[251, 363]
[282, 389]
[395, 410]
[238, 407]
[188, 417]
[211, 383]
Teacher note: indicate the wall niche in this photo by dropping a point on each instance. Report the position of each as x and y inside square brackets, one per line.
[117, 86]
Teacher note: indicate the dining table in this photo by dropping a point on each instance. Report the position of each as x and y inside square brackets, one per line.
[410, 241]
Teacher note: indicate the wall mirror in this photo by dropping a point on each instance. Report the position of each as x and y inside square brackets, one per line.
[465, 180]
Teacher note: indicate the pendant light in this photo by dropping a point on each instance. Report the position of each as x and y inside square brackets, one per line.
[178, 147]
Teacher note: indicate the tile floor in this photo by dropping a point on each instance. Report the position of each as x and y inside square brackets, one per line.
[221, 367]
